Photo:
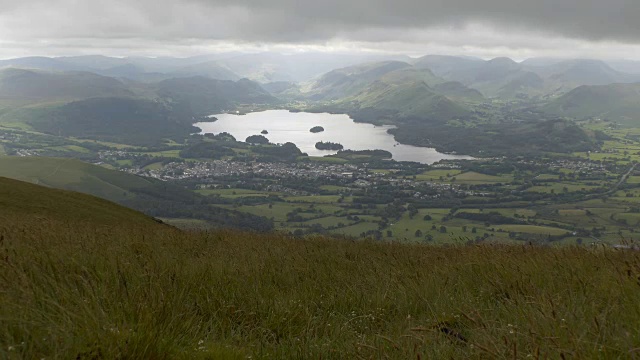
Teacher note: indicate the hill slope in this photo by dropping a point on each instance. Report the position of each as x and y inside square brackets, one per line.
[150, 196]
[28, 201]
[617, 102]
[35, 85]
[74, 175]
[203, 96]
[132, 292]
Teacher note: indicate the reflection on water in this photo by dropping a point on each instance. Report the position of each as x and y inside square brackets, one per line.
[284, 126]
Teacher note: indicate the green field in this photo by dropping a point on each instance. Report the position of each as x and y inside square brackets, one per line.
[532, 229]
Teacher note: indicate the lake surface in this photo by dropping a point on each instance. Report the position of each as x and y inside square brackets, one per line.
[284, 126]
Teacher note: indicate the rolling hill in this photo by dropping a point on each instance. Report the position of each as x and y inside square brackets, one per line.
[92, 106]
[616, 102]
[570, 74]
[391, 90]
[30, 202]
[73, 175]
[32, 85]
[121, 120]
[414, 100]
[505, 78]
[150, 196]
[349, 81]
[204, 96]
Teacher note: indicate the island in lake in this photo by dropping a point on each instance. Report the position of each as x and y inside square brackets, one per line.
[317, 129]
[328, 146]
[257, 139]
[264, 132]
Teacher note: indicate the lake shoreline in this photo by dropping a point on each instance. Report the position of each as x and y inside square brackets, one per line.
[286, 125]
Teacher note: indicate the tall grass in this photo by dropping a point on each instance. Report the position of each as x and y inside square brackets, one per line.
[77, 291]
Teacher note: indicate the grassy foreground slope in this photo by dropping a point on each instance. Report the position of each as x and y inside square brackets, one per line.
[25, 203]
[145, 291]
[152, 197]
[75, 175]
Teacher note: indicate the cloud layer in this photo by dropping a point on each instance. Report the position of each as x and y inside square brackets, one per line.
[151, 25]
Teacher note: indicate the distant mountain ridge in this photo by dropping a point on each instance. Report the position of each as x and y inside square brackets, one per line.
[93, 106]
[505, 78]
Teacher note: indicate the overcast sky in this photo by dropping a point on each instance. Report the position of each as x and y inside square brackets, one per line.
[485, 28]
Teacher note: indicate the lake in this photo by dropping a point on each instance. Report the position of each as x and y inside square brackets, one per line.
[284, 126]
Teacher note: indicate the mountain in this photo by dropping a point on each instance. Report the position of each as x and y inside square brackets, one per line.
[499, 77]
[573, 73]
[414, 100]
[391, 90]
[28, 202]
[41, 63]
[19, 84]
[505, 78]
[152, 197]
[210, 69]
[625, 66]
[92, 106]
[541, 61]
[204, 96]
[444, 66]
[617, 102]
[351, 80]
[301, 67]
[263, 67]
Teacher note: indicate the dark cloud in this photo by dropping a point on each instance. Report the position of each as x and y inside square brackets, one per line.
[59, 22]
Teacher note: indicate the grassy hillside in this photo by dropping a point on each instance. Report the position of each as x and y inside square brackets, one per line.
[617, 102]
[114, 119]
[145, 292]
[203, 96]
[351, 80]
[408, 100]
[25, 203]
[73, 175]
[152, 197]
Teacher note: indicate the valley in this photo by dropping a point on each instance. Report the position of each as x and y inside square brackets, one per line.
[535, 174]
[377, 179]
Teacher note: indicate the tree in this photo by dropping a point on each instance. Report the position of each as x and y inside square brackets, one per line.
[257, 139]
[418, 233]
[443, 229]
[389, 233]
[474, 230]
[427, 218]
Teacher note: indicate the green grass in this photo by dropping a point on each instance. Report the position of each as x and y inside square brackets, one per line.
[150, 293]
[73, 175]
[32, 203]
[317, 199]
[71, 287]
[532, 229]
[154, 166]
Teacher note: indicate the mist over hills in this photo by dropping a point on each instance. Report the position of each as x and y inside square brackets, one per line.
[151, 100]
[94, 106]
